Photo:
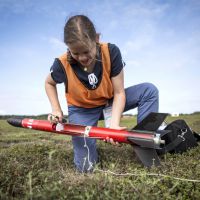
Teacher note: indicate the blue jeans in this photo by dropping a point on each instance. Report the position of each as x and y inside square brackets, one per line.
[143, 96]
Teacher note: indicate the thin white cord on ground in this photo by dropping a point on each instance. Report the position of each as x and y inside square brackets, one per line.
[148, 174]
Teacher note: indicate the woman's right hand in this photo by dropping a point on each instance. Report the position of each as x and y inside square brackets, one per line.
[55, 116]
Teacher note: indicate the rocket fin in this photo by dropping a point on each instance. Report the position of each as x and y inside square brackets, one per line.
[151, 122]
[142, 142]
[148, 157]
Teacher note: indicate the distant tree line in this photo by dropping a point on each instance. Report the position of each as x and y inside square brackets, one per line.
[24, 116]
[44, 116]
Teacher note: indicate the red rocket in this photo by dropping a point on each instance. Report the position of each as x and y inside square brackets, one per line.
[144, 137]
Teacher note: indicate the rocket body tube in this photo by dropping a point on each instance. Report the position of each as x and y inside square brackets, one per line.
[142, 138]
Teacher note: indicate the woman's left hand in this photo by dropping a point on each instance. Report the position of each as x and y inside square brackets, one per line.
[110, 140]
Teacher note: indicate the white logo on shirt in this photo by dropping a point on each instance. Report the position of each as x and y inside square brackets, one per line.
[93, 80]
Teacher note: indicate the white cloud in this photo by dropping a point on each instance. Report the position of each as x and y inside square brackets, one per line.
[57, 44]
[138, 43]
[3, 112]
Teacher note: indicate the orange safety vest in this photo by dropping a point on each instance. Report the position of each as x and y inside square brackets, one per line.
[78, 95]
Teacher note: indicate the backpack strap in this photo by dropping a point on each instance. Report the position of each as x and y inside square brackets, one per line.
[171, 146]
[179, 139]
[196, 135]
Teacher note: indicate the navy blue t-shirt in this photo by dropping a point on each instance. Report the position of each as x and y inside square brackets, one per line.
[117, 64]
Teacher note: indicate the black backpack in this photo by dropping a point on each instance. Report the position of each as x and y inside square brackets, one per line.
[179, 139]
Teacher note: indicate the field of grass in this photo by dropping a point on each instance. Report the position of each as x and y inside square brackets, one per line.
[39, 165]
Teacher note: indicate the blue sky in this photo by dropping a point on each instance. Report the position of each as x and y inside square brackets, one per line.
[159, 42]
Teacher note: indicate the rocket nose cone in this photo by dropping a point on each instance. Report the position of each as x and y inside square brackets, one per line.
[15, 122]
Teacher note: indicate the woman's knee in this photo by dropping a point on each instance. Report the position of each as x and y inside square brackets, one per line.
[151, 89]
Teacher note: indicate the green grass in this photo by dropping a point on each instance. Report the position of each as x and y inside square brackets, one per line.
[39, 165]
